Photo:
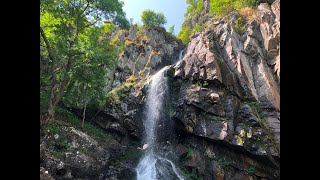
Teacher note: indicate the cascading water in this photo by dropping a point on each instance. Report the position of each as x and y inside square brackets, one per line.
[180, 57]
[155, 98]
[152, 166]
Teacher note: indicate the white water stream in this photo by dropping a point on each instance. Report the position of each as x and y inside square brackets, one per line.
[152, 166]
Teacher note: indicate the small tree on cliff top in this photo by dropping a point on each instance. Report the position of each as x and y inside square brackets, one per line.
[151, 18]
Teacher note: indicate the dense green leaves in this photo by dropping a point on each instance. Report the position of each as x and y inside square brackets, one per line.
[88, 77]
[194, 9]
[171, 30]
[223, 7]
[151, 18]
[76, 33]
[218, 8]
[184, 34]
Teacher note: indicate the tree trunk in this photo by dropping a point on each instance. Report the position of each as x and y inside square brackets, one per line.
[51, 107]
[57, 89]
[84, 113]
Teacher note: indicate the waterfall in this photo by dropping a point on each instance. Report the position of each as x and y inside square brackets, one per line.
[180, 57]
[152, 166]
[155, 98]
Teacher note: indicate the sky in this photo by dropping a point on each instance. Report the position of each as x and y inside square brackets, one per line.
[173, 10]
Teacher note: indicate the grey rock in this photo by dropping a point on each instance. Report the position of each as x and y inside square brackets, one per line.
[132, 32]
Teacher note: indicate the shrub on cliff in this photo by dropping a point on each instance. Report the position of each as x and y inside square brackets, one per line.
[151, 18]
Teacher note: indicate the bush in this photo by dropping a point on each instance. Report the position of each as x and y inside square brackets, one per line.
[197, 28]
[239, 26]
[171, 30]
[151, 18]
[184, 34]
[239, 4]
[225, 164]
[115, 96]
[221, 7]
[251, 170]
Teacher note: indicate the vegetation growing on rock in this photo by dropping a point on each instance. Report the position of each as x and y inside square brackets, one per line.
[193, 22]
[151, 18]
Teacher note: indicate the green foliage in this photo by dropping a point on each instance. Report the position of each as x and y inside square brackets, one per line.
[71, 120]
[240, 140]
[108, 27]
[57, 153]
[223, 7]
[198, 84]
[264, 122]
[225, 164]
[115, 96]
[60, 145]
[151, 18]
[202, 83]
[115, 40]
[53, 128]
[251, 170]
[190, 175]
[44, 89]
[257, 109]
[132, 79]
[89, 73]
[218, 8]
[194, 9]
[171, 30]
[197, 28]
[189, 154]
[75, 31]
[239, 4]
[239, 25]
[67, 119]
[205, 84]
[184, 34]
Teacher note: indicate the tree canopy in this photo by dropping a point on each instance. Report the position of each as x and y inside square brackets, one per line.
[75, 52]
[171, 30]
[151, 18]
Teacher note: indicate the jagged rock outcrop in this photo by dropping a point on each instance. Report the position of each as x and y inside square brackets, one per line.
[230, 88]
[147, 50]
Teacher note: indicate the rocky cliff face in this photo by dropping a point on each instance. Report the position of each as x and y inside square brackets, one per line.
[226, 97]
[224, 94]
[147, 50]
[224, 100]
[230, 93]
